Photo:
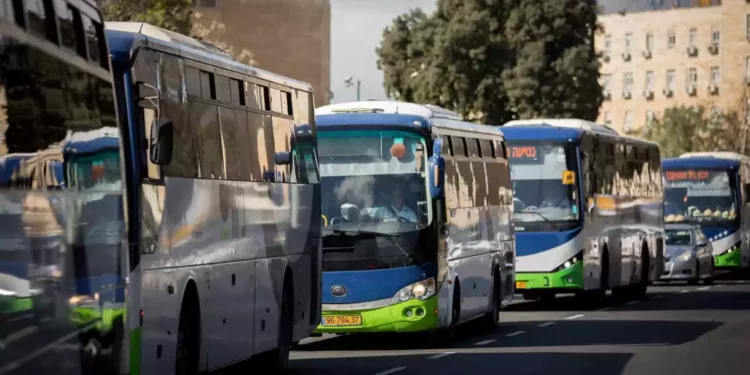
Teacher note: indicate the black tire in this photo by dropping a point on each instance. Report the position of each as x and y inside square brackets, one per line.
[492, 318]
[276, 361]
[595, 298]
[445, 336]
[710, 279]
[640, 289]
[697, 278]
[188, 337]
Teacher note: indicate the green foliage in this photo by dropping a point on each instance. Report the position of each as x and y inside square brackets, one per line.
[174, 15]
[691, 129]
[495, 60]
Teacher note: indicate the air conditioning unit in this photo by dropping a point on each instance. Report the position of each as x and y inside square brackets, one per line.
[626, 94]
[668, 93]
[626, 56]
[691, 89]
[713, 49]
[713, 89]
[605, 57]
[692, 51]
[607, 95]
[648, 94]
[647, 54]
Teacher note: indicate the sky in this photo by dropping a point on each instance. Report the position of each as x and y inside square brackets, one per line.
[356, 30]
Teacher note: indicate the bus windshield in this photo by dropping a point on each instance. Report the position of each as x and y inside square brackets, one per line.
[544, 184]
[98, 172]
[700, 196]
[374, 195]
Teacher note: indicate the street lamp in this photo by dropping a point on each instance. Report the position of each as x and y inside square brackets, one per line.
[350, 82]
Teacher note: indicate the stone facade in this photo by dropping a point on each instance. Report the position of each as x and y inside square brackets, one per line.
[287, 37]
[730, 22]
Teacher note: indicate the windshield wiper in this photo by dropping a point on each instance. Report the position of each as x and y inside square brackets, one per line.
[389, 236]
[558, 227]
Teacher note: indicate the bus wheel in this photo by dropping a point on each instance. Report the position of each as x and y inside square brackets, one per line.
[188, 336]
[595, 298]
[639, 290]
[492, 318]
[276, 361]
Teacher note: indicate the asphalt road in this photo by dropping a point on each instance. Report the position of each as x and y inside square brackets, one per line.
[678, 329]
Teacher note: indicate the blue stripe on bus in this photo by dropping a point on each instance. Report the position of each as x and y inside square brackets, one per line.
[17, 268]
[530, 243]
[713, 231]
[698, 162]
[372, 285]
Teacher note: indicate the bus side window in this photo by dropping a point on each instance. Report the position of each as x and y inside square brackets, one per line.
[473, 148]
[485, 147]
[459, 146]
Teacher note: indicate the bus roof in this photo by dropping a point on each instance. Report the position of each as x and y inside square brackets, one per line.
[396, 113]
[717, 155]
[696, 161]
[125, 37]
[571, 123]
[92, 141]
[562, 129]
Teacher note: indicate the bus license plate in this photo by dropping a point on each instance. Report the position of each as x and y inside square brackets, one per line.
[342, 320]
[520, 285]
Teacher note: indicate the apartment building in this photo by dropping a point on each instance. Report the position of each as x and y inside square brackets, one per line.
[287, 37]
[693, 54]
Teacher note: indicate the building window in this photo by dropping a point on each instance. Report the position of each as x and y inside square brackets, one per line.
[628, 41]
[672, 38]
[693, 37]
[607, 42]
[627, 83]
[608, 118]
[205, 3]
[715, 36]
[747, 26]
[747, 69]
[628, 120]
[649, 42]
[670, 80]
[715, 75]
[649, 81]
[649, 117]
[747, 111]
[606, 82]
[692, 76]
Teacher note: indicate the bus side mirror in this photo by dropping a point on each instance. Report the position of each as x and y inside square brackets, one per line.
[436, 170]
[162, 139]
[282, 158]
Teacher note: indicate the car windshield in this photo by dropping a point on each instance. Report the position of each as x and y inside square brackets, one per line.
[544, 183]
[700, 196]
[679, 237]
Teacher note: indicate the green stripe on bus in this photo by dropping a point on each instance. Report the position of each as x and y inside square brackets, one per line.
[569, 278]
[135, 351]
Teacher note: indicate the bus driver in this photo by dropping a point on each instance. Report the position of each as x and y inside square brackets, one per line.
[397, 208]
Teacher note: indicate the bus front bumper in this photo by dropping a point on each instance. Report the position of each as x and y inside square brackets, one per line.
[411, 316]
[728, 260]
[570, 278]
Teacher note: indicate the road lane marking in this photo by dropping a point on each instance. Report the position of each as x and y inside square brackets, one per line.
[485, 342]
[684, 291]
[516, 333]
[391, 371]
[575, 316]
[441, 355]
[631, 302]
[704, 288]
[15, 336]
[16, 364]
[546, 324]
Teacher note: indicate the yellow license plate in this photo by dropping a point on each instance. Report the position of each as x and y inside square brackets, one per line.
[520, 285]
[342, 320]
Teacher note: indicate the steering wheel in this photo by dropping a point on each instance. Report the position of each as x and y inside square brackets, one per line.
[337, 219]
[399, 218]
[531, 209]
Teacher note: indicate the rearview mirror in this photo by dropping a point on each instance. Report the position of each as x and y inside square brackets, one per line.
[162, 138]
[282, 158]
[436, 170]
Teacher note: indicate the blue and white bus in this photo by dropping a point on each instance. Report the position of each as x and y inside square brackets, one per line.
[225, 213]
[416, 208]
[711, 189]
[587, 209]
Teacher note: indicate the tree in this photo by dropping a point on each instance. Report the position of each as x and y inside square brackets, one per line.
[173, 15]
[495, 60]
[556, 70]
[690, 129]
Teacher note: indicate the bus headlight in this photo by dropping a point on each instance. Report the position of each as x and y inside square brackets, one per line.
[83, 301]
[570, 262]
[422, 289]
